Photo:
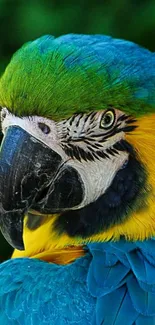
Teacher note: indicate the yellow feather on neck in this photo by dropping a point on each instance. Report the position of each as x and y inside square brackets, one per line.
[46, 244]
[39, 244]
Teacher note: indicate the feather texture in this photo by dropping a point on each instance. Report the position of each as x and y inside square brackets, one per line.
[56, 77]
[112, 284]
[122, 278]
[36, 292]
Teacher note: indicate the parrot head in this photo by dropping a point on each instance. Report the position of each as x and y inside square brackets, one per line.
[77, 117]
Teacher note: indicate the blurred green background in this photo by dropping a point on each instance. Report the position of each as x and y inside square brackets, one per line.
[24, 20]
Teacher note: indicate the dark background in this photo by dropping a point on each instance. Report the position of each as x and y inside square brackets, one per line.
[25, 20]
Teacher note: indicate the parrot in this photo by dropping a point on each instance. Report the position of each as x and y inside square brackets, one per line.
[77, 182]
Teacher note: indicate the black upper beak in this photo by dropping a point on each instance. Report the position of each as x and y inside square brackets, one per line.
[26, 165]
[32, 176]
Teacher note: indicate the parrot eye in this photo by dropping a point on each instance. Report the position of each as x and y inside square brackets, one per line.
[108, 119]
[44, 128]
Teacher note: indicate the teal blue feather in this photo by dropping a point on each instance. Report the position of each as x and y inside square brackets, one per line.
[143, 301]
[116, 308]
[130, 295]
[142, 320]
[143, 269]
[103, 287]
[43, 293]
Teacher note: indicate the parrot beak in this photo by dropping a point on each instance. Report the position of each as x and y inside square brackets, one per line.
[26, 165]
[32, 177]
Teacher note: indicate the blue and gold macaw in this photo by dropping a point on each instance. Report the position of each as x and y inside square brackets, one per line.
[77, 183]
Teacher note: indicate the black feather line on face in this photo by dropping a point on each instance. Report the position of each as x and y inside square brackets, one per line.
[78, 121]
[121, 145]
[94, 143]
[80, 154]
[124, 117]
[124, 145]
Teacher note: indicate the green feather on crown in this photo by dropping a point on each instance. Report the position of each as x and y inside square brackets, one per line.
[56, 77]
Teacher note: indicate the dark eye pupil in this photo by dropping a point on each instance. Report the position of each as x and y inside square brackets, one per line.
[107, 119]
[44, 128]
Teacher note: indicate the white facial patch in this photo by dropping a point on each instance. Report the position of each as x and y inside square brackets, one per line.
[31, 125]
[98, 174]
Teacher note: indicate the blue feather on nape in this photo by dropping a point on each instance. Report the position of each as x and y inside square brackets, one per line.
[37, 292]
[143, 301]
[114, 308]
[141, 267]
[122, 278]
[142, 320]
[105, 278]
